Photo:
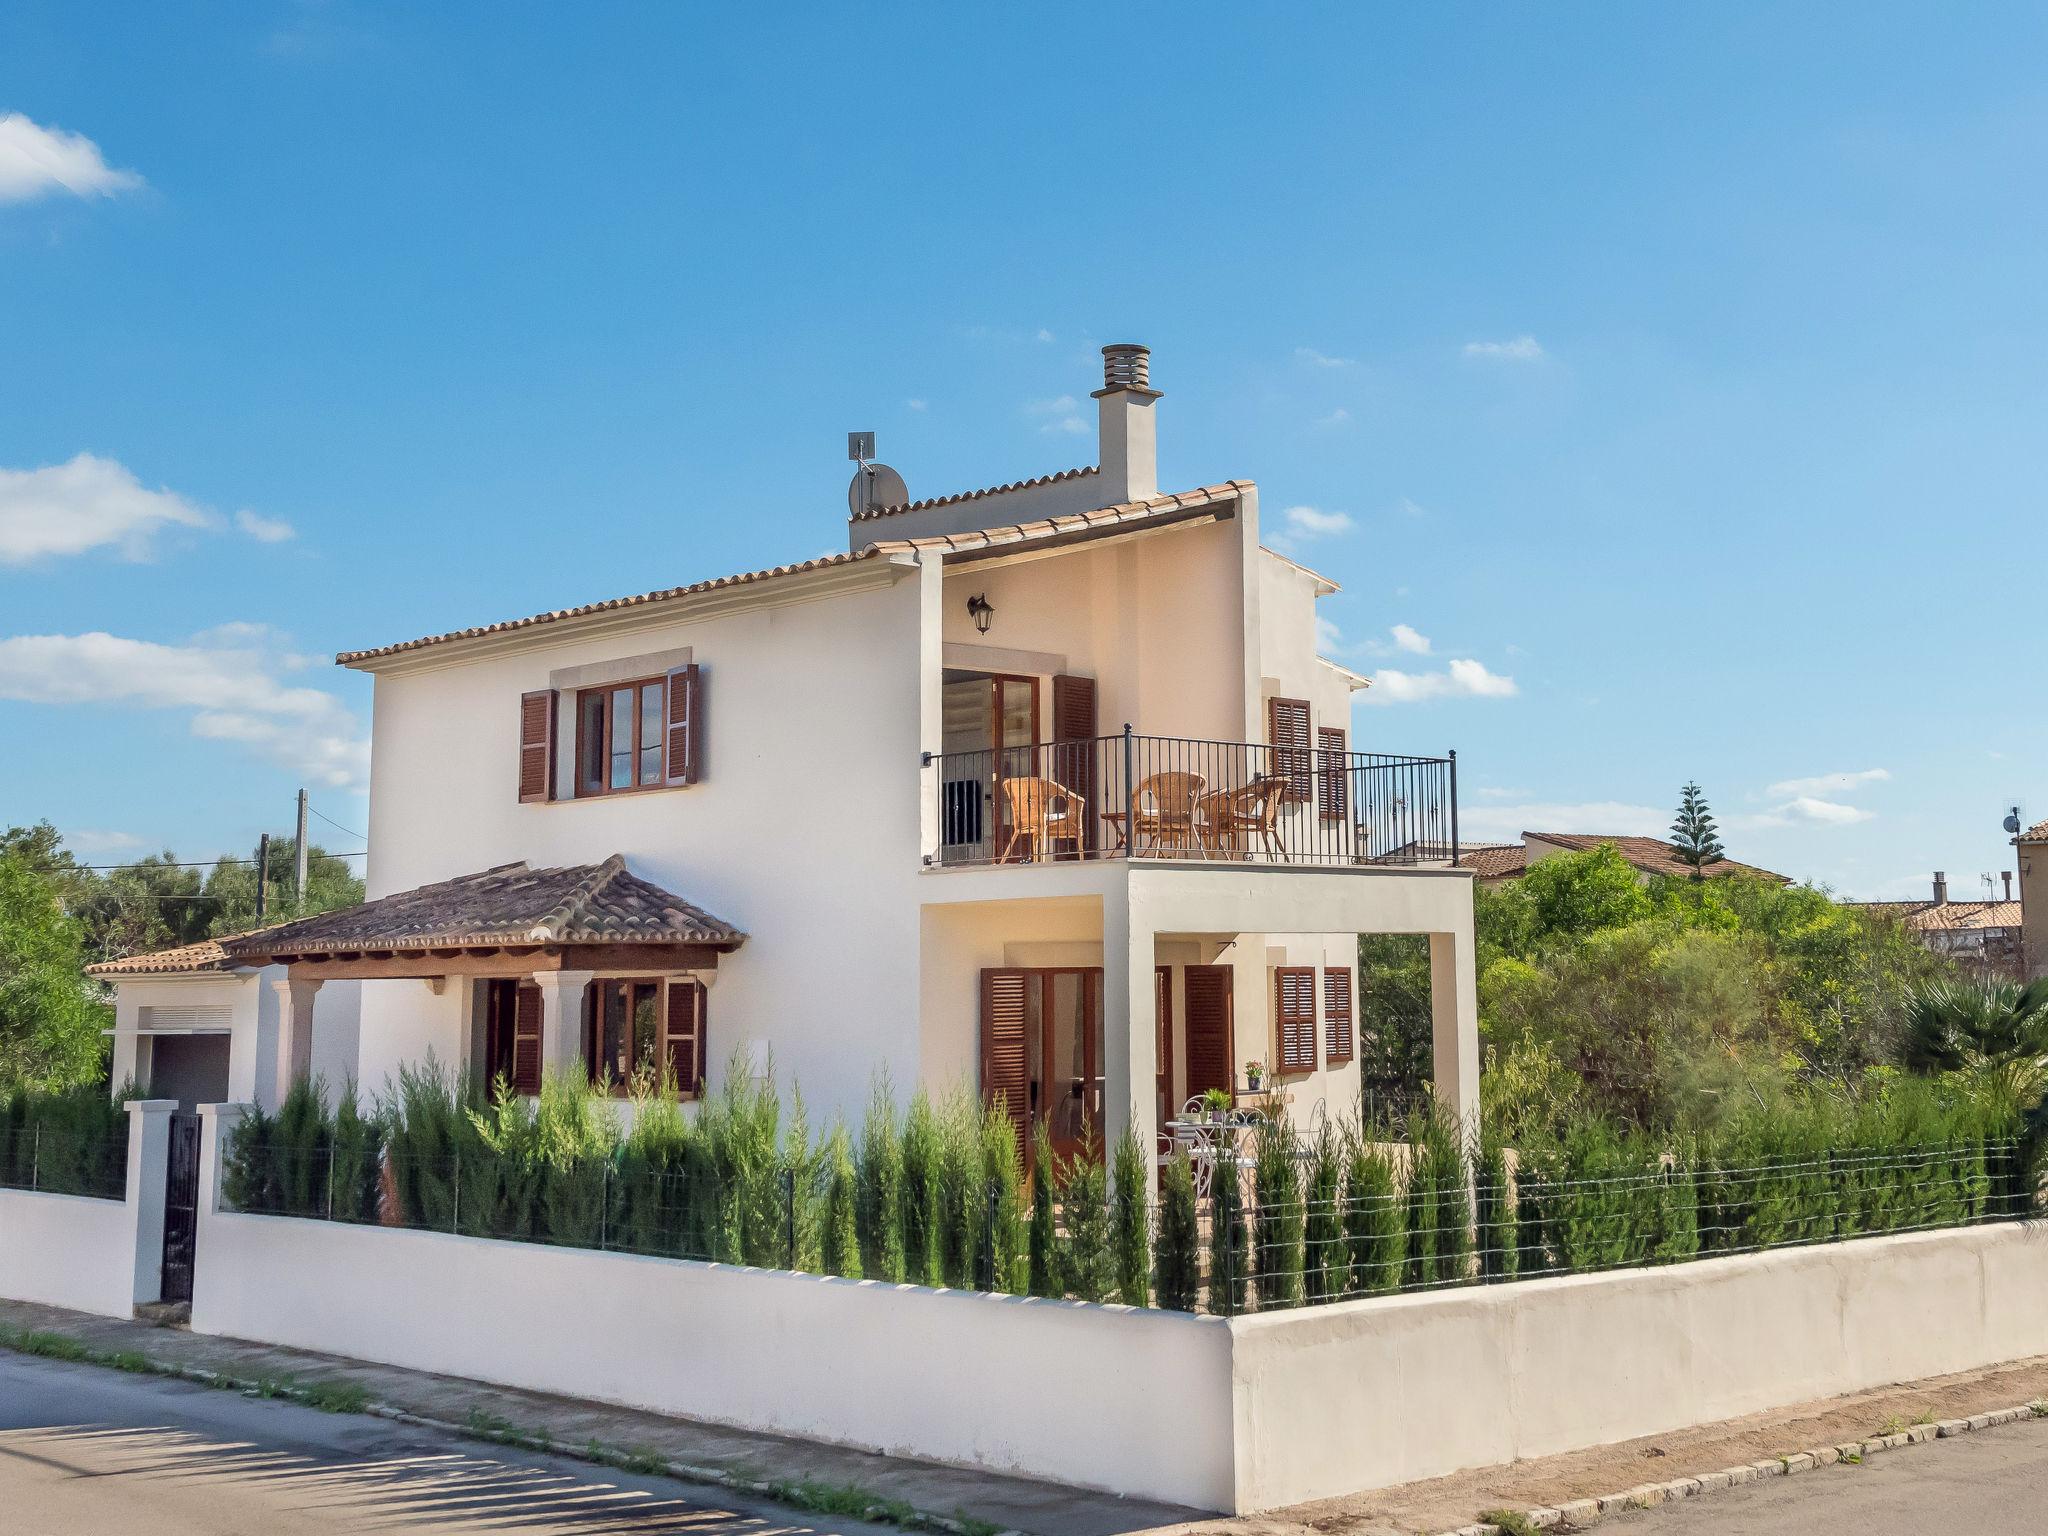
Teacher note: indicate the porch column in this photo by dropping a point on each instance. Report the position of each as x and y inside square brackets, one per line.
[1130, 1045]
[561, 1018]
[1454, 1024]
[294, 1032]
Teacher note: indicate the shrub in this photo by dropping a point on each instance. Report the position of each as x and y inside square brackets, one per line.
[1229, 1244]
[356, 1169]
[652, 1207]
[1324, 1268]
[1276, 1184]
[1375, 1226]
[878, 1188]
[424, 1115]
[300, 1148]
[999, 1232]
[1042, 1276]
[1177, 1257]
[921, 1196]
[1087, 1267]
[840, 1244]
[1129, 1235]
[1497, 1215]
[576, 1134]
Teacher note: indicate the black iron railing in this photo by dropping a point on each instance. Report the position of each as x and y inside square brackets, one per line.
[1177, 798]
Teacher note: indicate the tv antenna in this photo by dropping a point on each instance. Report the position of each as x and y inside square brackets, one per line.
[874, 485]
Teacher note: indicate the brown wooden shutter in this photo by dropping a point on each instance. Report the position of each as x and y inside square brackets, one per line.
[1336, 1016]
[1005, 1074]
[682, 1038]
[1162, 1038]
[1206, 1020]
[685, 724]
[537, 746]
[1331, 773]
[1288, 727]
[1073, 723]
[1294, 1011]
[526, 1016]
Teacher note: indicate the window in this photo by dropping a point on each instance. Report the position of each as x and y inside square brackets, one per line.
[1336, 1016]
[1294, 1015]
[1331, 771]
[619, 737]
[1287, 723]
[633, 1026]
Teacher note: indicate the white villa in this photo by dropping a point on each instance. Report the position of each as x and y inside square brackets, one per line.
[1042, 789]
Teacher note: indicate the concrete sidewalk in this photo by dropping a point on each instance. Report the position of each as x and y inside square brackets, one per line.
[799, 1472]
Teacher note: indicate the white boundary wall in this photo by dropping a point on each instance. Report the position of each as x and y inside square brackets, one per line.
[88, 1254]
[1366, 1394]
[1245, 1415]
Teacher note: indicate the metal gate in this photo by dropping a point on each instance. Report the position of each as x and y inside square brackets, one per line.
[181, 1208]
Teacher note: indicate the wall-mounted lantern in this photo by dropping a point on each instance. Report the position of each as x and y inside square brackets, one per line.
[981, 611]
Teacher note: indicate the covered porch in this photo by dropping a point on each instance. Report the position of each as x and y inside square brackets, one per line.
[536, 972]
[1113, 993]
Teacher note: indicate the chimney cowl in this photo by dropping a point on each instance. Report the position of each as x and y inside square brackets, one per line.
[1127, 366]
[1940, 888]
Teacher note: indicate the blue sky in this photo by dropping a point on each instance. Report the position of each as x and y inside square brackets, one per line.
[1683, 366]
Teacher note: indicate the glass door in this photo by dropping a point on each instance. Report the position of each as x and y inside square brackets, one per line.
[989, 734]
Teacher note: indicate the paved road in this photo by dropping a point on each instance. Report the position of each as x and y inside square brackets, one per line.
[1981, 1484]
[86, 1451]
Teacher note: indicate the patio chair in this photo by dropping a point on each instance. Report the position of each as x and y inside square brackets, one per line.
[1045, 811]
[1253, 810]
[1165, 805]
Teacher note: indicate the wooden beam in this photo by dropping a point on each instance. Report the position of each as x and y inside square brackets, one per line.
[610, 959]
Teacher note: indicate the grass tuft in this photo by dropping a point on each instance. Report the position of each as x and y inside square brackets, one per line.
[1509, 1522]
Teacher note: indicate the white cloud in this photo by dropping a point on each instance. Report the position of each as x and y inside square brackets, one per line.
[90, 842]
[917, 405]
[1464, 679]
[1828, 783]
[227, 678]
[264, 530]
[1044, 334]
[1831, 813]
[1610, 818]
[1058, 415]
[90, 502]
[1314, 523]
[1315, 359]
[36, 161]
[1523, 349]
[1336, 418]
[1410, 640]
[1329, 638]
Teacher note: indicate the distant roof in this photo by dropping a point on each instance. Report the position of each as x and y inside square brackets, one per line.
[1651, 855]
[1162, 508]
[574, 904]
[1948, 916]
[2037, 833]
[994, 490]
[1494, 861]
[186, 959]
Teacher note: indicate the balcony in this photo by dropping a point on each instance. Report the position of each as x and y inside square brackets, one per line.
[1180, 799]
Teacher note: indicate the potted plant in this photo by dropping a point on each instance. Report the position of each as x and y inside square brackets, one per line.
[1254, 1074]
[1216, 1102]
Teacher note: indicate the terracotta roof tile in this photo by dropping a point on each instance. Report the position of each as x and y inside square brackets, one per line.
[185, 959]
[574, 904]
[1495, 861]
[993, 490]
[1948, 916]
[1126, 512]
[1652, 855]
[2037, 833]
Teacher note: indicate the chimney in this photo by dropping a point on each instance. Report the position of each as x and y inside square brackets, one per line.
[1940, 888]
[2008, 883]
[1128, 449]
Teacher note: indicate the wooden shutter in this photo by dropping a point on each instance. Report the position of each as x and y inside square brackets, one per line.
[1331, 773]
[1073, 724]
[685, 724]
[526, 1015]
[537, 746]
[1206, 1020]
[682, 1036]
[1004, 1071]
[1288, 729]
[1294, 1012]
[1162, 1037]
[1336, 1016]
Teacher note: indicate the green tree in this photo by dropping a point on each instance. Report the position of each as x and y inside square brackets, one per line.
[50, 1017]
[1693, 834]
[1994, 1031]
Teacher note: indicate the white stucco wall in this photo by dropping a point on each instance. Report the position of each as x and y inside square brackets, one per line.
[1367, 1394]
[87, 1254]
[803, 831]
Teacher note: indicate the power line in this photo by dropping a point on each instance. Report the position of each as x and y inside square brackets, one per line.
[53, 869]
[351, 831]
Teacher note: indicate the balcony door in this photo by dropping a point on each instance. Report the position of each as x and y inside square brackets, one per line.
[1041, 1052]
[989, 722]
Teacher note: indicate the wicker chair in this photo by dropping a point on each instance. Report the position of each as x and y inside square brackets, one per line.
[1045, 811]
[1165, 804]
[1253, 810]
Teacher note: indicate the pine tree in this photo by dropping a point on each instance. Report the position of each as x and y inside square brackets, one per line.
[1694, 835]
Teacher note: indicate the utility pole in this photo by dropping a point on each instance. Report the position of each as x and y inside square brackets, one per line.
[299, 870]
[262, 865]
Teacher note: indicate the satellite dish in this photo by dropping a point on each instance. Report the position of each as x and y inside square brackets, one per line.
[875, 486]
[2012, 822]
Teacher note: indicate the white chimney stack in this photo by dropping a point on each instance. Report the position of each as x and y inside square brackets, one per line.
[1129, 449]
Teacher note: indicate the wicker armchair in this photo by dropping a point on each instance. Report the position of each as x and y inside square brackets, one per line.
[1250, 812]
[1045, 811]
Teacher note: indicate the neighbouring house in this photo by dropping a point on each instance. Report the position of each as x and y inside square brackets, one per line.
[1042, 790]
[2032, 848]
[1494, 863]
[190, 1024]
[1984, 935]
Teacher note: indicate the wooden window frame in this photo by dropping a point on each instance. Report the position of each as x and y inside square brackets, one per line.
[1042, 977]
[593, 1003]
[1294, 1054]
[660, 682]
[1338, 986]
[1333, 793]
[1294, 762]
